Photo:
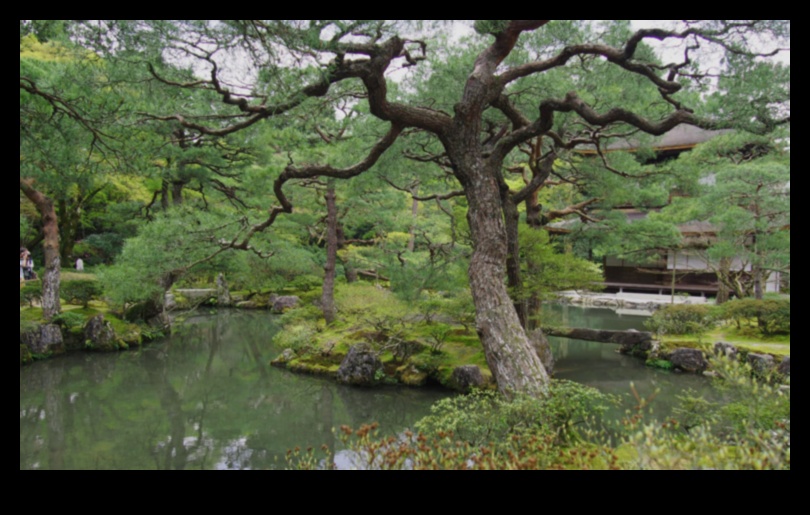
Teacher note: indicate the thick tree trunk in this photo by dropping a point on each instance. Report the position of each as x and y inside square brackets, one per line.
[513, 275]
[328, 298]
[759, 281]
[509, 353]
[51, 305]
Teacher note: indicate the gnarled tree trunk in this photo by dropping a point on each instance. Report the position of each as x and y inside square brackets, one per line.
[514, 278]
[51, 304]
[509, 353]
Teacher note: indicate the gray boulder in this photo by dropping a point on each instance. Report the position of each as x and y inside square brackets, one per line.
[360, 367]
[44, 339]
[689, 360]
[725, 349]
[282, 304]
[99, 335]
[761, 363]
[784, 367]
[466, 378]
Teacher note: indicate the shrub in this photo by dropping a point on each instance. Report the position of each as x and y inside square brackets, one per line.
[438, 337]
[771, 315]
[70, 320]
[305, 283]
[482, 417]
[750, 430]
[365, 449]
[30, 293]
[296, 337]
[682, 319]
[81, 292]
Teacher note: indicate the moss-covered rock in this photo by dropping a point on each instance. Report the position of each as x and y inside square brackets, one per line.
[99, 335]
[361, 367]
[784, 367]
[284, 358]
[43, 340]
[689, 360]
[467, 378]
[409, 375]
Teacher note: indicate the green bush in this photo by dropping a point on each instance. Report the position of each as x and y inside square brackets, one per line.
[70, 320]
[772, 316]
[305, 283]
[30, 293]
[296, 337]
[482, 417]
[747, 428]
[81, 292]
[682, 319]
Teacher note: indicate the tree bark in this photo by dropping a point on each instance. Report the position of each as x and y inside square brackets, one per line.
[328, 297]
[723, 292]
[51, 304]
[509, 353]
[513, 275]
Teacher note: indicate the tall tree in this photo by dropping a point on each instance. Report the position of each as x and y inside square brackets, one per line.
[61, 138]
[363, 53]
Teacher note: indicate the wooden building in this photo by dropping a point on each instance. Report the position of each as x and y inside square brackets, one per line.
[684, 270]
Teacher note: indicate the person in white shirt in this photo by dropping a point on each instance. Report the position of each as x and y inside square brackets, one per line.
[23, 262]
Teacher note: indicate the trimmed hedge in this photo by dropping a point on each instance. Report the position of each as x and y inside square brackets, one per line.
[81, 292]
[772, 315]
[682, 319]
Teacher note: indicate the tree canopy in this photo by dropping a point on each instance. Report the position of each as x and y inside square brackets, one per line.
[247, 108]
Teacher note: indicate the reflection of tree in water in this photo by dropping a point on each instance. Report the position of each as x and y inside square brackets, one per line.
[205, 398]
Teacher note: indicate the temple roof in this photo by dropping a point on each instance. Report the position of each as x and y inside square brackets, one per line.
[681, 137]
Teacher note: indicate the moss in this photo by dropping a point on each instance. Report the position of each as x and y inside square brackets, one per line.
[303, 366]
[409, 375]
[31, 315]
[127, 334]
[660, 364]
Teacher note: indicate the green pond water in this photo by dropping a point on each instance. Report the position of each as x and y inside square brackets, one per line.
[206, 398]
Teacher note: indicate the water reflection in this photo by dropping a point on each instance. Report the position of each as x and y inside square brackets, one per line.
[207, 398]
[204, 399]
[600, 365]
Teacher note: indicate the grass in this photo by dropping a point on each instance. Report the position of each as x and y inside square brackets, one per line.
[373, 315]
[745, 339]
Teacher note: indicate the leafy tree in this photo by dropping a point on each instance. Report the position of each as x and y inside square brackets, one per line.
[746, 196]
[66, 105]
[351, 57]
[161, 254]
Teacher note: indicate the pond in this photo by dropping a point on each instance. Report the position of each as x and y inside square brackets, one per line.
[206, 398]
